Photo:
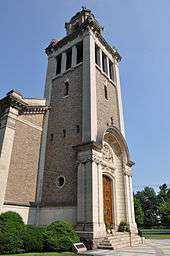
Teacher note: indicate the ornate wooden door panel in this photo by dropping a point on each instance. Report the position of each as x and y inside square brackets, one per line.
[107, 200]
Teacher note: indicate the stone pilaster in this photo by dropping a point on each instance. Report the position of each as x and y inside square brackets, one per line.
[7, 138]
[51, 71]
[120, 106]
[90, 221]
[89, 105]
[130, 216]
[132, 205]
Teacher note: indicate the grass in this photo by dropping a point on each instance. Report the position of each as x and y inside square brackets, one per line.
[156, 233]
[43, 254]
[157, 236]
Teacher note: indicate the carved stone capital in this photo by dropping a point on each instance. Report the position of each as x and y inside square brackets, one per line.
[127, 170]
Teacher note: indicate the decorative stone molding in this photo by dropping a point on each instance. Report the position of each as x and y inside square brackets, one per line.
[127, 170]
[107, 153]
[96, 158]
[108, 170]
[89, 158]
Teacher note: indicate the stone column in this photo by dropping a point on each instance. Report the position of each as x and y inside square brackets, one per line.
[127, 196]
[63, 62]
[7, 138]
[101, 63]
[108, 70]
[132, 205]
[115, 204]
[74, 56]
[129, 199]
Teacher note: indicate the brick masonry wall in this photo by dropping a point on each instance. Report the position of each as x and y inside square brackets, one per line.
[60, 157]
[106, 108]
[22, 178]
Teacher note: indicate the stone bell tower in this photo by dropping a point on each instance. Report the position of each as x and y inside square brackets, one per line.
[85, 168]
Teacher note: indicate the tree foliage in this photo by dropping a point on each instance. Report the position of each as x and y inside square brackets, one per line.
[151, 208]
[139, 214]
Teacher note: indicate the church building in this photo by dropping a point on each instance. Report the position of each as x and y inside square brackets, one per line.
[65, 156]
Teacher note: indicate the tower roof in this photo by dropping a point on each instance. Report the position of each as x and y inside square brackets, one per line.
[81, 21]
[82, 17]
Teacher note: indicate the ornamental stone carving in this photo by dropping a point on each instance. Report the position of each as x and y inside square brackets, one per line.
[107, 154]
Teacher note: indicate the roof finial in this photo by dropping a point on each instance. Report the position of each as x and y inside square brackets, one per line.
[83, 8]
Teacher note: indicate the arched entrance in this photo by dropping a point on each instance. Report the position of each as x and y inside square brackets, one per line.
[107, 200]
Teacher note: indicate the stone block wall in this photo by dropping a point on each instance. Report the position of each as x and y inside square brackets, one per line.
[23, 170]
[65, 114]
[106, 108]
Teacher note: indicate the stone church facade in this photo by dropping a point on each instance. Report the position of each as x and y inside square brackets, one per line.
[66, 156]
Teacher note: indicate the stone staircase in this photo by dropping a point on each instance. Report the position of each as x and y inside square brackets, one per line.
[119, 240]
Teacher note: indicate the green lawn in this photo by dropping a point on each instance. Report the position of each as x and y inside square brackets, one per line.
[157, 236]
[155, 233]
[43, 254]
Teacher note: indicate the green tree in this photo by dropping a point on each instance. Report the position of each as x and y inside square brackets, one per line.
[165, 213]
[150, 206]
[164, 204]
[139, 214]
[164, 194]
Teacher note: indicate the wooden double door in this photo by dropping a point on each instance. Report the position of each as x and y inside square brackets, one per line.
[107, 200]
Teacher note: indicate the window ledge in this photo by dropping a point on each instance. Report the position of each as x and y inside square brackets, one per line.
[66, 96]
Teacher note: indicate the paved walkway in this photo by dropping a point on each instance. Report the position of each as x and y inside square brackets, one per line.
[150, 248]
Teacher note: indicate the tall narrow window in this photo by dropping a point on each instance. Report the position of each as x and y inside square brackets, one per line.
[68, 58]
[64, 133]
[105, 92]
[78, 128]
[51, 137]
[58, 59]
[97, 55]
[104, 62]
[111, 70]
[66, 88]
[111, 121]
[79, 52]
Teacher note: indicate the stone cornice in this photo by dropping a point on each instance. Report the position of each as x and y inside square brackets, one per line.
[20, 105]
[87, 146]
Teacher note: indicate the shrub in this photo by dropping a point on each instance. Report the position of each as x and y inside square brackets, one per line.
[10, 217]
[123, 226]
[33, 238]
[11, 229]
[60, 236]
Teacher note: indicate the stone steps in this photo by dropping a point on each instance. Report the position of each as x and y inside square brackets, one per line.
[119, 240]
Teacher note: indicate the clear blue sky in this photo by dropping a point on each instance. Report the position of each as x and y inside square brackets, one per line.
[140, 29]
